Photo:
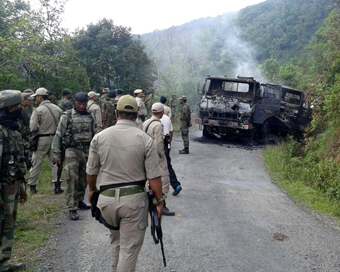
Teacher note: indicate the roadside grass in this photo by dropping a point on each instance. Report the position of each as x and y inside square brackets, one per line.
[303, 195]
[37, 219]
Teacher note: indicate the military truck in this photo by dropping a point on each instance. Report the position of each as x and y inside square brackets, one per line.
[237, 106]
[244, 107]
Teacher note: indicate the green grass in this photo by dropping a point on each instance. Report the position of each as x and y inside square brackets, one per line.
[37, 219]
[303, 195]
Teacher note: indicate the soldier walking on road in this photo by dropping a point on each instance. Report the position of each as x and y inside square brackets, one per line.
[75, 131]
[168, 134]
[66, 103]
[13, 170]
[185, 119]
[109, 109]
[95, 109]
[154, 128]
[44, 121]
[124, 157]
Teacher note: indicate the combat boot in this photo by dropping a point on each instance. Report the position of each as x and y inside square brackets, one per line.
[177, 190]
[73, 215]
[83, 206]
[33, 189]
[166, 211]
[185, 150]
[57, 188]
[16, 267]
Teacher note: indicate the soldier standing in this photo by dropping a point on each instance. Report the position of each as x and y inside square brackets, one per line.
[124, 157]
[167, 110]
[95, 109]
[109, 109]
[44, 121]
[25, 126]
[75, 131]
[65, 103]
[154, 128]
[141, 105]
[104, 96]
[185, 119]
[13, 169]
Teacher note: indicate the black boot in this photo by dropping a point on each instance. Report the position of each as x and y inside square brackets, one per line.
[185, 150]
[166, 211]
[73, 215]
[33, 189]
[83, 206]
[57, 188]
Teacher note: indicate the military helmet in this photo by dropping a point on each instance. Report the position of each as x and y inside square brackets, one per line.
[9, 98]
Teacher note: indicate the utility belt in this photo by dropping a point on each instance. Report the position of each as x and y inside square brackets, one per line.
[45, 135]
[138, 187]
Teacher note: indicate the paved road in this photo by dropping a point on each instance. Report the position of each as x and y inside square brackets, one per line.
[229, 217]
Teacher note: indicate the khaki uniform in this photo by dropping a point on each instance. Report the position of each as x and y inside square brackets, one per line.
[142, 111]
[185, 124]
[122, 154]
[96, 112]
[13, 170]
[155, 130]
[75, 132]
[65, 104]
[44, 124]
[167, 111]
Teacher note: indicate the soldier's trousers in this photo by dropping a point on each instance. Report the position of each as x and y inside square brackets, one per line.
[11, 196]
[185, 133]
[75, 176]
[44, 148]
[165, 175]
[130, 213]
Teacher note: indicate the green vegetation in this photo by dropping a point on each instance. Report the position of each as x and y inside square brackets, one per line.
[37, 219]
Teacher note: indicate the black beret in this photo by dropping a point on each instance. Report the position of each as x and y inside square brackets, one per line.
[119, 91]
[81, 98]
[163, 99]
[112, 93]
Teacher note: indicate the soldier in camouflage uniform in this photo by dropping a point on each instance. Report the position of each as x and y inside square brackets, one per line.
[75, 131]
[66, 103]
[13, 170]
[24, 130]
[185, 119]
[104, 96]
[109, 110]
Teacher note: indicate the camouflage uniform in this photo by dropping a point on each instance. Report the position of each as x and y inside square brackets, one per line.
[75, 132]
[185, 124]
[12, 183]
[173, 105]
[65, 104]
[108, 110]
[26, 133]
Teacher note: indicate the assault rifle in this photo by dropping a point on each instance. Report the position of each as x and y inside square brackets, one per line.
[156, 229]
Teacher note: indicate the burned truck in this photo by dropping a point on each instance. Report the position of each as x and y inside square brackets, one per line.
[238, 106]
[245, 107]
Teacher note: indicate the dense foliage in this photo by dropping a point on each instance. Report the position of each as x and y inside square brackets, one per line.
[36, 51]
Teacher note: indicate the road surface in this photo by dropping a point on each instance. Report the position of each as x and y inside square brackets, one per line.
[230, 216]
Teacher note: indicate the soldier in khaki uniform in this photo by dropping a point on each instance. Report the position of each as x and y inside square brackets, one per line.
[95, 109]
[167, 110]
[44, 121]
[154, 128]
[66, 103]
[75, 131]
[12, 169]
[141, 105]
[185, 119]
[124, 157]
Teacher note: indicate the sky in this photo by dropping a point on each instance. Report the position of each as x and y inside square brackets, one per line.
[145, 16]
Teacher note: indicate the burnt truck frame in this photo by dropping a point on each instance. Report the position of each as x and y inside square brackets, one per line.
[245, 107]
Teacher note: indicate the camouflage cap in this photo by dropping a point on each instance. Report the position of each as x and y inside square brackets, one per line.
[9, 98]
[66, 92]
[183, 97]
[29, 91]
[106, 90]
[138, 91]
[127, 103]
[157, 107]
[26, 96]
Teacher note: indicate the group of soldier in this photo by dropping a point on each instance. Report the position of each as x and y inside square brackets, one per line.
[90, 137]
